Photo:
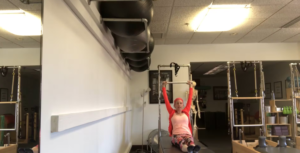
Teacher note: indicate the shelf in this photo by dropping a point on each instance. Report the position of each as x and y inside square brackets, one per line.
[275, 136]
[275, 112]
[278, 124]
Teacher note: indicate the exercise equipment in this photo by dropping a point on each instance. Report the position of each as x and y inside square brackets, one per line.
[127, 10]
[143, 96]
[142, 55]
[17, 104]
[133, 44]
[295, 89]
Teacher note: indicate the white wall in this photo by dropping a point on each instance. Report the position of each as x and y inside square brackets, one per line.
[78, 75]
[20, 56]
[184, 54]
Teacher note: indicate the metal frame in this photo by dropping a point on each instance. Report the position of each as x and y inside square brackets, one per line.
[294, 98]
[145, 21]
[89, 1]
[231, 99]
[159, 96]
[17, 108]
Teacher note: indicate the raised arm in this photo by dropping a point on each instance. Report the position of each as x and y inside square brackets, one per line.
[189, 102]
[169, 107]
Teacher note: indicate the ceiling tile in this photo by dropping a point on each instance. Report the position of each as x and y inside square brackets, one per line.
[159, 26]
[176, 41]
[36, 38]
[250, 39]
[282, 35]
[192, 2]
[9, 45]
[201, 41]
[204, 35]
[161, 13]
[262, 32]
[32, 7]
[290, 11]
[158, 41]
[294, 39]
[185, 14]
[6, 5]
[222, 40]
[263, 11]
[163, 3]
[178, 26]
[274, 23]
[30, 45]
[179, 35]
[3, 40]
[270, 2]
[296, 25]
[221, 2]
[231, 35]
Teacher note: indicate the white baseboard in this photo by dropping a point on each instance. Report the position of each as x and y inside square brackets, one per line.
[128, 148]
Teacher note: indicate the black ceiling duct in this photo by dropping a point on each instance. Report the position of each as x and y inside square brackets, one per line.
[140, 56]
[127, 10]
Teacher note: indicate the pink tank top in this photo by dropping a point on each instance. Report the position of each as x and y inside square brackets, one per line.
[180, 124]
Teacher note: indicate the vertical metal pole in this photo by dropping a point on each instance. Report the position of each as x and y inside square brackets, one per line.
[295, 132]
[12, 85]
[229, 101]
[255, 81]
[18, 109]
[297, 86]
[235, 83]
[262, 102]
[191, 112]
[159, 117]
[143, 123]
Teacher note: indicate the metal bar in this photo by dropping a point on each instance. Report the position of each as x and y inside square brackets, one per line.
[283, 99]
[8, 129]
[229, 105]
[17, 106]
[250, 125]
[248, 98]
[121, 20]
[8, 102]
[12, 85]
[89, 1]
[239, 62]
[159, 113]
[255, 81]
[262, 102]
[183, 65]
[235, 84]
[177, 82]
[295, 132]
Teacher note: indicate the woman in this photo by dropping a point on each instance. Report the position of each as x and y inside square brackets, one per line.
[179, 122]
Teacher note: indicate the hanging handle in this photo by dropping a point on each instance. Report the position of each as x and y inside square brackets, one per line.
[176, 67]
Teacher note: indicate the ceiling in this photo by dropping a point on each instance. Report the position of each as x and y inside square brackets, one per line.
[199, 68]
[171, 16]
[8, 40]
[262, 26]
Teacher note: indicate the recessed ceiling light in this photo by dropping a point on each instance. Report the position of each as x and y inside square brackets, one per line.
[220, 18]
[20, 23]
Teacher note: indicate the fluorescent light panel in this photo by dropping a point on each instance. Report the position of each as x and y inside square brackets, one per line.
[220, 18]
[20, 23]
